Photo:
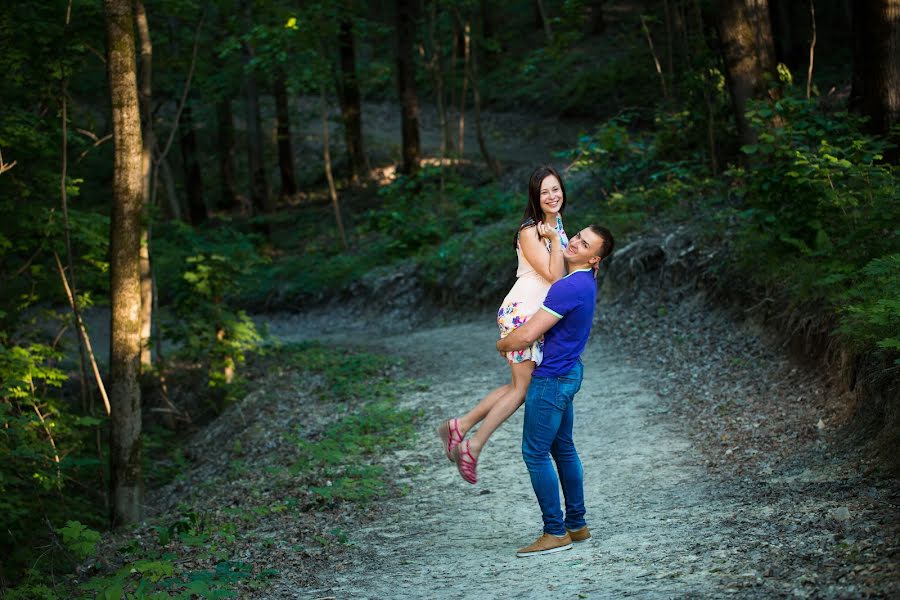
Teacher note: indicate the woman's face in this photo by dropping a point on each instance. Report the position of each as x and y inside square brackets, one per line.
[551, 195]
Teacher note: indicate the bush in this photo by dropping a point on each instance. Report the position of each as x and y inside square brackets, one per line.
[821, 215]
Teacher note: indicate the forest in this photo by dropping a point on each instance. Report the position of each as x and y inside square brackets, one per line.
[176, 176]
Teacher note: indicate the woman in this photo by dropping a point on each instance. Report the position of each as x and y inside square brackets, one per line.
[539, 243]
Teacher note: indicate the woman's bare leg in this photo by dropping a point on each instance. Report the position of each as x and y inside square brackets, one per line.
[481, 410]
[503, 406]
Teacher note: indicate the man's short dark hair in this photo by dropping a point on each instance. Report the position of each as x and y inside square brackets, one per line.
[609, 242]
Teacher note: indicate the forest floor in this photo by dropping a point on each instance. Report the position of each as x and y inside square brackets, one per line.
[714, 467]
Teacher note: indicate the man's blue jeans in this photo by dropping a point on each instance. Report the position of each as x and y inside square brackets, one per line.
[549, 417]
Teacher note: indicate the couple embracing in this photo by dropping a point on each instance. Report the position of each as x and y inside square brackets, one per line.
[545, 321]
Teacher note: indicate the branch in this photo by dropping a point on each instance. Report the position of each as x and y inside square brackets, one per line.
[4, 167]
[87, 341]
[185, 91]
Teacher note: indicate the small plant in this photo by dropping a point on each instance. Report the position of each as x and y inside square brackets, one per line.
[81, 540]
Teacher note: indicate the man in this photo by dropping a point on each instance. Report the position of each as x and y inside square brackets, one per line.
[565, 321]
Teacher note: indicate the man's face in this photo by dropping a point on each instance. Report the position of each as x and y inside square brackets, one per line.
[583, 248]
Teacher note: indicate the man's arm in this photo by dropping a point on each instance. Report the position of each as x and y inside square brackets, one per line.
[522, 337]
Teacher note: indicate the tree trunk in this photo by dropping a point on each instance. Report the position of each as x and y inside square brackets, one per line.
[598, 24]
[466, 46]
[780, 14]
[125, 276]
[326, 157]
[876, 66]
[745, 33]
[482, 145]
[406, 80]
[149, 141]
[259, 183]
[283, 135]
[175, 211]
[545, 21]
[225, 150]
[350, 102]
[192, 176]
[436, 67]
[707, 94]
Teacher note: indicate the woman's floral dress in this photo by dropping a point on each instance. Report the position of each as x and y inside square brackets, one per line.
[524, 299]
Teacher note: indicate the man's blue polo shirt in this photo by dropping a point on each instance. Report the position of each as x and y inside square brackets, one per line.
[572, 299]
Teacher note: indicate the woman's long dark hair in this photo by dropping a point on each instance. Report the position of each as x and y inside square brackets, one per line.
[533, 213]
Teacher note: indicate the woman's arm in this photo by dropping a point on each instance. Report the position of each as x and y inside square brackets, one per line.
[551, 267]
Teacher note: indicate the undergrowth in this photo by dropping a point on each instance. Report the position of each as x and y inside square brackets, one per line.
[199, 551]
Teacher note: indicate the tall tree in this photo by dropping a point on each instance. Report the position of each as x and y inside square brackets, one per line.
[193, 179]
[148, 142]
[225, 151]
[125, 276]
[283, 136]
[259, 182]
[348, 92]
[745, 33]
[406, 81]
[876, 66]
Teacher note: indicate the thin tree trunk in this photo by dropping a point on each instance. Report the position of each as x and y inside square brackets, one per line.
[812, 47]
[745, 33]
[225, 150]
[259, 182]
[707, 96]
[326, 156]
[192, 177]
[488, 159]
[548, 30]
[125, 276]
[82, 331]
[406, 79]
[461, 129]
[670, 44]
[876, 67]
[598, 24]
[86, 394]
[454, 57]
[283, 137]
[149, 142]
[662, 78]
[351, 110]
[782, 32]
[168, 178]
[434, 64]
[161, 160]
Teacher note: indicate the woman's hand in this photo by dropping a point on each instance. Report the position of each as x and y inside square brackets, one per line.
[545, 231]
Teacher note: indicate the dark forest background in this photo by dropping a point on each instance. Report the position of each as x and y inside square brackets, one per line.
[175, 167]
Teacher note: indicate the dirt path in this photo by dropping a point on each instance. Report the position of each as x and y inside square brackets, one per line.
[662, 526]
[654, 516]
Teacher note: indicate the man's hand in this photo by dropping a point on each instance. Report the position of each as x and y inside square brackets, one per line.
[536, 326]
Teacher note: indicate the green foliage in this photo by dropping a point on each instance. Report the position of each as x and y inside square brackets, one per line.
[81, 540]
[632, 180]
[821, 214]
[341, 457]
[161, 577]
[566, 77]
[42, 444]
[425, 209]
[204, 271]
[872, 312]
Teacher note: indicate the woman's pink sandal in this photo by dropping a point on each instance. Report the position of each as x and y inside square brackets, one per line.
[466, 467]
[451, 436]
